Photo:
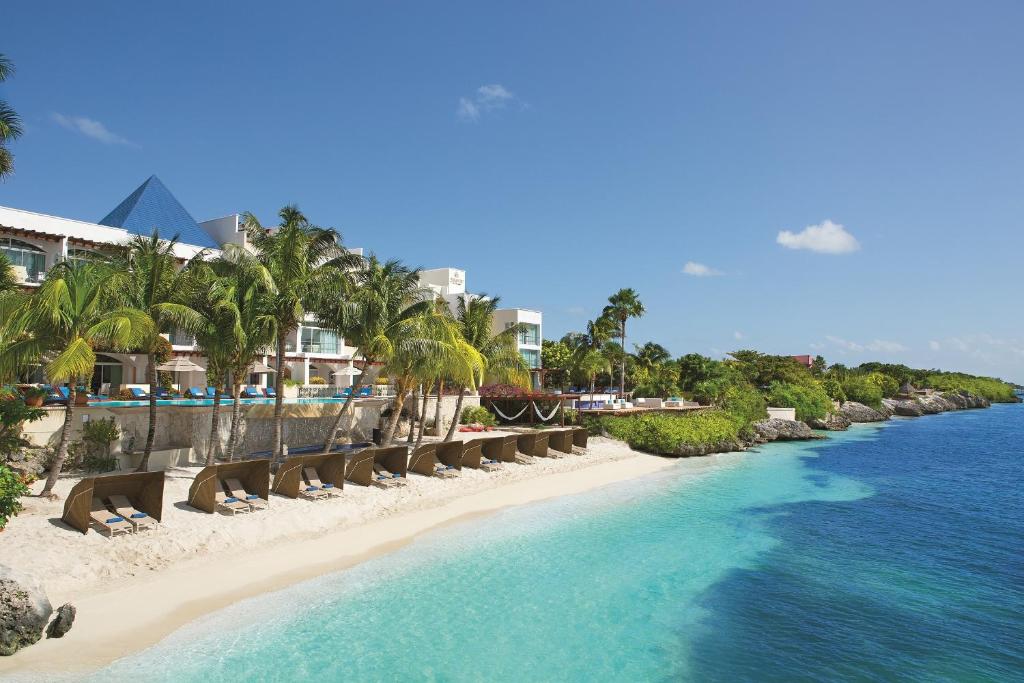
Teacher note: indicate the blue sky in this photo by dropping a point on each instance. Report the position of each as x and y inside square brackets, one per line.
[560, 151]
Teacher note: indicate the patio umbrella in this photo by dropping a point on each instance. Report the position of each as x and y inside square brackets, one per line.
[348, 371]
[177, 365]
[259, 368]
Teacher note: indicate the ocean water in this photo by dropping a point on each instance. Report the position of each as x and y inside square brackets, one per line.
[891, 552]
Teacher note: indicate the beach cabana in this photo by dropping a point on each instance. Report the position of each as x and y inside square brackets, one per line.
[329, 466]
[533, 443]
[500, 448]
[579, 437]
[450, 453]
[144, 490]
[424, 461]
[254, 475]
[360, 466]
[473, 457]
[561, 440]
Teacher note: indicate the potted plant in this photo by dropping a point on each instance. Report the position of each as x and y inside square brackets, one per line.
[34, 396]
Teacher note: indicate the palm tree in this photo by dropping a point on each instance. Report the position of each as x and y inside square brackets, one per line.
[146, 277]
[651, 354]
[73, 312]
[10, 123]
[591, 362]
[500, 352]
[623, 305]
[378, 316]
[433, 343]
[306, 264]
[8, 283]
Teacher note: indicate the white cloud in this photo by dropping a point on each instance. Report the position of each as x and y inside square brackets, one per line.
[486, 98]
[934, 345]
[89, 128]
[877, 345]
[825, 238]
[699, 269]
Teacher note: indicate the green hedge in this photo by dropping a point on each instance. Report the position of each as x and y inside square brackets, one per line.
[664, 434]
[810, 400]
[993, 389]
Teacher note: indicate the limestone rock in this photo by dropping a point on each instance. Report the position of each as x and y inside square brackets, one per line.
[61, 623]
[904, 407]
[774, 429]
[24, 611]
[858, 412]
[835, 422]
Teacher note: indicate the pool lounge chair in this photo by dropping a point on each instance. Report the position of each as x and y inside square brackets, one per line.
[313, 479]
[344, 393]
[251, 392]
[236, 489]
[366, 392]
[138, 394]
[162, 393]
[138, 519]
[195, 392]
[211, 393]
[107, 520]
[229, 503]
[269, 392]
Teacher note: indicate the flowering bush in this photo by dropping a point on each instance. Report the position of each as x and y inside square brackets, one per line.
[502, 391]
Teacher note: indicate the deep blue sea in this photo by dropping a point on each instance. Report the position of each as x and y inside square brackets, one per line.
[892, 552]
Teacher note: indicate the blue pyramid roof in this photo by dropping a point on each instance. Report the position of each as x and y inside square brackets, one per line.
[152, 206]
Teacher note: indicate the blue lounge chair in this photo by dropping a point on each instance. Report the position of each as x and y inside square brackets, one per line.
[163, 393]
[366, 392]
[195, 392]
[138, 394]
[211, 393]
[269, 392]
[344, 393]
[251, 392]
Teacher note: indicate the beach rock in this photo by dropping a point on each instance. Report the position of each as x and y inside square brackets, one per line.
[835, 422]
[858, 412]
[24, 610]
[61, 623]
[904, 407]
[934, 404]
[774, 429]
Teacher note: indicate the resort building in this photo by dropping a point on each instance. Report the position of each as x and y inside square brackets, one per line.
[450, 285]
[34, 242]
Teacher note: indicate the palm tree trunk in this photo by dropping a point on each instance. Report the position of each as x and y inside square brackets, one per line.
[622, 375]
[151, 434]
[437, 408]
[333, 435]
[396, 413]
[62, 446]
[214, 428]
[236, 418]
[278, 452]
[413, 414]
[423, 416]
[458, 414]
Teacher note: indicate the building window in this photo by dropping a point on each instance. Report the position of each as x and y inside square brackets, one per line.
[315, 340]
[28, 256]
[530, 335]
[83, 255]
[532, 358]
[179, 338]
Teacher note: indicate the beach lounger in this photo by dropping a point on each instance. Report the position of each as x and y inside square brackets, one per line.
[269, 392]
[533, 444]
[137, 518]
[424, 461]
[384, 478]
[211, 393]
[560, 440]
[472, 457]
[579, 437]
[229, 503]
[138, 394]
[366, 392]
[236, 489]
[251, 392]
[313, 479]
[163, 393]
[105, 519]
[195, 392]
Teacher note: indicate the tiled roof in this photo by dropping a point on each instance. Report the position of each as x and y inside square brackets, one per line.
[152, 206]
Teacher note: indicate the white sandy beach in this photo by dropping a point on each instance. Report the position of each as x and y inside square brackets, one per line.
[132, 591]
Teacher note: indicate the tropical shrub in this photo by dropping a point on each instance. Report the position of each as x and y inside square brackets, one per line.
[834, 388]
[987, 387]
[14, 414]
[810, 401]
[318, 380]
[862, 390]
[97, 436]
[502, 391]
[664, 433]
[744, 404]
[888, 384]
[12, 487]
[477, 415]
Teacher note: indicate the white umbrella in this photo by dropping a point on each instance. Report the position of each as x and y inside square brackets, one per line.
[179, 364]
[348, 371]
[259, 368]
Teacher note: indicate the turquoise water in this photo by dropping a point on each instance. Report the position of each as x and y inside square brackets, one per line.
[892, 552]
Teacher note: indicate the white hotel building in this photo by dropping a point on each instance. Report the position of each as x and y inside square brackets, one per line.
[34, 242]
